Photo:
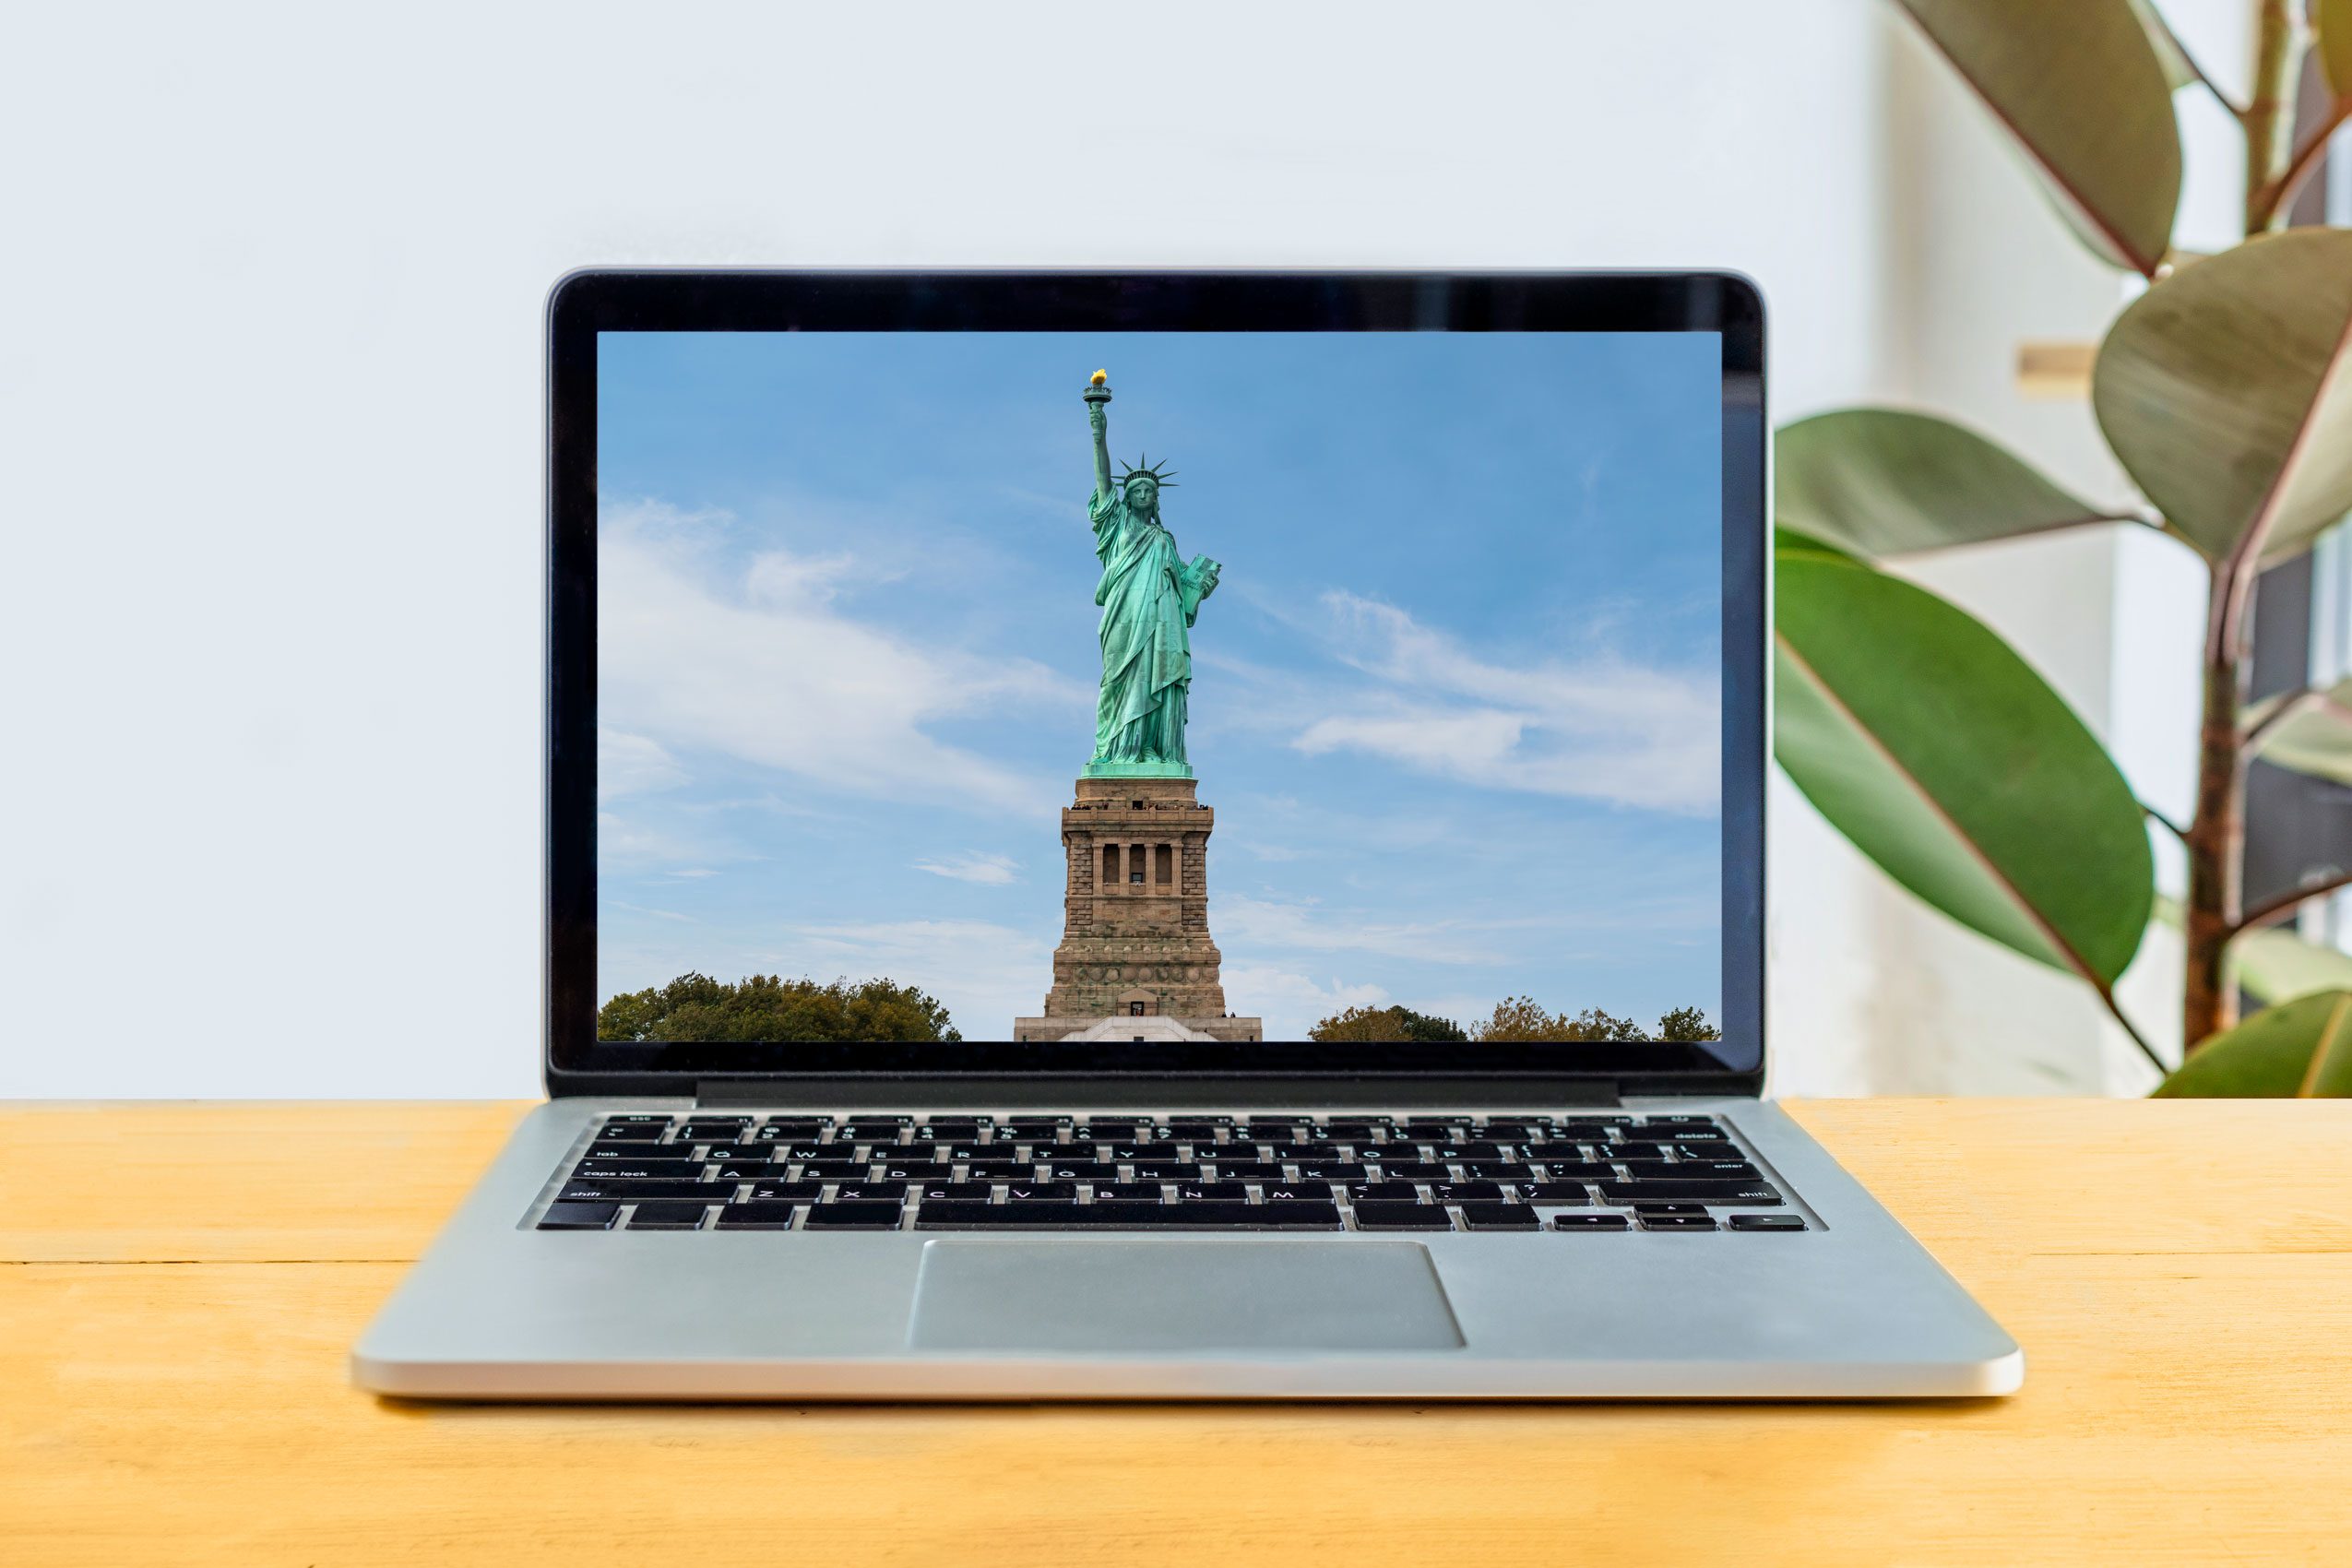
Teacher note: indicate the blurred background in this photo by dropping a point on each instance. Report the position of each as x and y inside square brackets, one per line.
[271, 389]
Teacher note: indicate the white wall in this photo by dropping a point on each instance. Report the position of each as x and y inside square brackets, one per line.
[269, 394]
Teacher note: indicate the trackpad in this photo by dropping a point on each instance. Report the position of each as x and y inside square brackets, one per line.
[1176, 1294]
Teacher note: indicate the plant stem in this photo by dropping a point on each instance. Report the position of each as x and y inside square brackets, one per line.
[2269, 116]
[2215, 840]
[2288, 903]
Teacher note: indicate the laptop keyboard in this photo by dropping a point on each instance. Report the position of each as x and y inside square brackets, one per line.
[1566, 1173]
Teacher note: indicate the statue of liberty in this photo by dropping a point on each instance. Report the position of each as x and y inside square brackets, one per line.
[1149, 600]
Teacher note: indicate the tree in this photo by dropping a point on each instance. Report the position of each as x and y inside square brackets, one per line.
[1687, 1023]
[1523, 1018]
[1923, 736]
[766, 1007]
[1386, 1023]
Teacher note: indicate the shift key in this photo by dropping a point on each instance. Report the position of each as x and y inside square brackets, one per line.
[1688, 1192]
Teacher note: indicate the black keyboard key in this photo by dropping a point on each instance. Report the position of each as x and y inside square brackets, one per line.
[1275, 1192]
[1200, 1192]
[1629, 1151]
[1703, 1170]
[910, 1170]
[835, 1169]
[707, 1132]
[1189, 1130]
[764, 1154]
[1465, 1192]
[728, 1175]
[580, 1217]
[1692, 1135]
[1001, 1171]
[1588, 1222]
[633, 1192]
[1384, 1192]
[1766, 1222]
[1354, 1171]
[787, 1192]
[1143, 1192]
[1189, 1173]
[668, 1217]
[1580, 1171]
[1500, 1216]
[867, 1216]
[868, 1191]
[1418, 1170]
[1041, 1193]
[1245, 1171]
[790, 1128]
[955, 1192]
[631, 1132]
[1497, 1170]
[1670, 1209]
[1299, 1215]
[1067, 1172]
[875, 1129]
[757, 1217]
[606, 1150]
[1676, 1222]
[635, 1169]
[1381, 1215]
[1553, 1192]
[1740, 1193]
[1542, 1149]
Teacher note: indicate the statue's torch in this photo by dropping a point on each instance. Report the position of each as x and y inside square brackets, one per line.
[1098, 390]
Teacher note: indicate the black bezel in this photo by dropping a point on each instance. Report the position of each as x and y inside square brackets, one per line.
[585, 303]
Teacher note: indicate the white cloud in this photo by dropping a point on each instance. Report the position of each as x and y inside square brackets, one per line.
[765, 667]
[632, 764]
[1291, 1002]
[1595, 728]
[986, 974]
[1244, 922]
[994, 870]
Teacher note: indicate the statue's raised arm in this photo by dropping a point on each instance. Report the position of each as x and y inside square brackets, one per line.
[1097, 397]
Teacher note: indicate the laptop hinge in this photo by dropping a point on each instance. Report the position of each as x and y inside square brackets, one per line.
[977, 1089]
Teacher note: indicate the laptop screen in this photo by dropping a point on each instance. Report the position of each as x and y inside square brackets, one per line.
[1140, 687]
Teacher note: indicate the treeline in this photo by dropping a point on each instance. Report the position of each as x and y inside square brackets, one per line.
[1517, 1019]
[764, 1007]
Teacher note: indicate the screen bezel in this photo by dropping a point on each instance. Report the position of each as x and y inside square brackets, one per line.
[588, 302]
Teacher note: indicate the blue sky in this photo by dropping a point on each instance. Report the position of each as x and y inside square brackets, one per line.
[1454, 699]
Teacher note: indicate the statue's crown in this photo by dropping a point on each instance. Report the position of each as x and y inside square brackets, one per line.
[1148, 469]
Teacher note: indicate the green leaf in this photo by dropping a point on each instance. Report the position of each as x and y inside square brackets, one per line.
[1947, 760]
[2171, 58]
[1883, 482]
[2082, 89]
[2278, 966]
[1789, 542]
[2308, 732]
[2334, 18]
[2225, 391]
[2301, 1048]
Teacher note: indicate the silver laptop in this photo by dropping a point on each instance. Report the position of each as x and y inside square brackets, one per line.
[1161, 835]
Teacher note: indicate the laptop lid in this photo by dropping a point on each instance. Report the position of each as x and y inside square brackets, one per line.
[1030, 678]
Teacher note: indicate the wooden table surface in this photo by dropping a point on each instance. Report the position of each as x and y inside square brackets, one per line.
[186, 1280]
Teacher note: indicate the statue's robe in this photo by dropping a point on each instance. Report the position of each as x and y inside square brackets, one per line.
[1149, 600]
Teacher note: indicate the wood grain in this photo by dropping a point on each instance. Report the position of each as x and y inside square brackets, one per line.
[2181, 1274]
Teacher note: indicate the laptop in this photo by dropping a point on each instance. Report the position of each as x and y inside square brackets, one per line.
[1161, 835]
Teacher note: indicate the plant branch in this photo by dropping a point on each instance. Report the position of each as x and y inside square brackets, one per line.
[2107, 996]
[2284, 708]
[2270, 909]
[2279, 195]
[2269, 117]
[2196, 68]
[2163, 821]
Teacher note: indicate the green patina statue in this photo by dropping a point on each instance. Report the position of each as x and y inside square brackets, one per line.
[1149, 599]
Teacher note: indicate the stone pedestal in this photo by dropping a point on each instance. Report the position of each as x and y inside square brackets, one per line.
[1134, 939]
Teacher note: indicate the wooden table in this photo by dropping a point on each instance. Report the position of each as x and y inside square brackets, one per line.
[186, 1280]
